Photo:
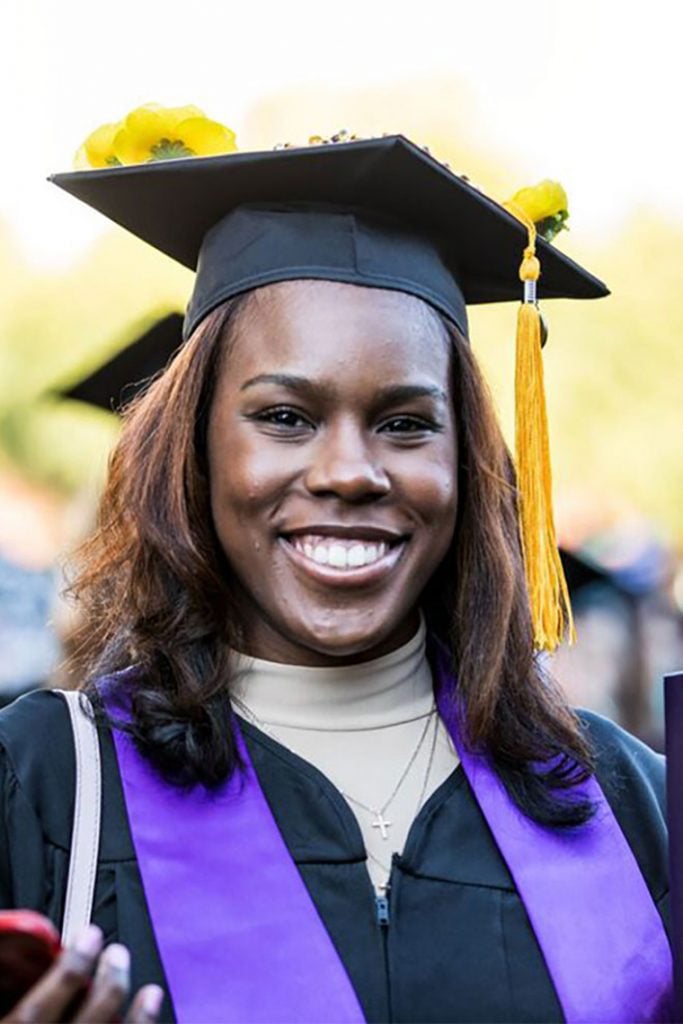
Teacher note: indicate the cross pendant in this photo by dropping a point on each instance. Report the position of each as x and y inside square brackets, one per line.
[382, 824]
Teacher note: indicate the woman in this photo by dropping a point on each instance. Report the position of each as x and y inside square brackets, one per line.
[310, 525]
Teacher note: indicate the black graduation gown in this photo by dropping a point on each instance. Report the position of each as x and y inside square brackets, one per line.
[457, 946]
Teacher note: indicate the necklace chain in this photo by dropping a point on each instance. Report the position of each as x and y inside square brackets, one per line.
[404, 774]
[428, 771]
[380, 821]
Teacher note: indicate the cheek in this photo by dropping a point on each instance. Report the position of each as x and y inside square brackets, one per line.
[432, 490]
[245, 477]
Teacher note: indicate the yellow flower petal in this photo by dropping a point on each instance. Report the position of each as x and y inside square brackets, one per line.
[146, 125]
[99, 146]
[205, 137]
[173, 116]
[128, 150]
[141, 130]
[152, 122]
[540, 201]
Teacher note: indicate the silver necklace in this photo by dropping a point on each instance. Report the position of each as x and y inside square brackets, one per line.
[385, 867]
[379, 821]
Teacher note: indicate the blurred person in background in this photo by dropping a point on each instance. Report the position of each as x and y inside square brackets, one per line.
[629, 629]
[337, 783]
[29, 648]
[28, 588]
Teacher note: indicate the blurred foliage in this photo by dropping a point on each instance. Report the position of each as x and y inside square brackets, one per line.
[614, 368]
[57, 327]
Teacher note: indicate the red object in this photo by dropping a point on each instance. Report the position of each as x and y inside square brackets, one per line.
[29, 944]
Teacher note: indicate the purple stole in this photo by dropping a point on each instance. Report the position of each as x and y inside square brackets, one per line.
[241, 940]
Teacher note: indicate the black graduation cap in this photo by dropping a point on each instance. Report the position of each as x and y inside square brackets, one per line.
[120, 379]
[379, 212]
[580, 571]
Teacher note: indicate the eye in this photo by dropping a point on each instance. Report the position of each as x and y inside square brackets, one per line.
[409, 425]
[283, 418]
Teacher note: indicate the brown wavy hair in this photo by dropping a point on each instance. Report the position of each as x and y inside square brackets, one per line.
[155, 591]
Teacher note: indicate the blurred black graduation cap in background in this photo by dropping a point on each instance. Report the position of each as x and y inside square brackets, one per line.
[121, 378]
[580, 571]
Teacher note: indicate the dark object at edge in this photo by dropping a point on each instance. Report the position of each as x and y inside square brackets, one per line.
[673, 704]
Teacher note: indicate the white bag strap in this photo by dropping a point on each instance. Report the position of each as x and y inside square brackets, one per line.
[85, 837]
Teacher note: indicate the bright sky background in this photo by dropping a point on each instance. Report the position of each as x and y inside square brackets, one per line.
[586, 91]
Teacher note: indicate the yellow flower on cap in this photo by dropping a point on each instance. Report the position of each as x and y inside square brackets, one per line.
[152, 132]
[98, 148]
[545, 204]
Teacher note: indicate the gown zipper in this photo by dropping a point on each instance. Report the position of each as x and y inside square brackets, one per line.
[382, 909]
[383, 916]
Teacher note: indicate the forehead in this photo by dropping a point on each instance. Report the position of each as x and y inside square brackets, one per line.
[332, 330]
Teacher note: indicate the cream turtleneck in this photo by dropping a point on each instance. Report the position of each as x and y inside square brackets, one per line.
[360, 725]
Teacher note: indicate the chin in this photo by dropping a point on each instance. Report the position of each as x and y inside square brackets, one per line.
[342, 646]
[334, 638]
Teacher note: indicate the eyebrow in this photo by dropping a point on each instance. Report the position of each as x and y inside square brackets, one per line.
[387, 395]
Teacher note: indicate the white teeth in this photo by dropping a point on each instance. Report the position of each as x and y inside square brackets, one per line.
[321, 554]
[340, 553]
[337, 556]
[356, 556]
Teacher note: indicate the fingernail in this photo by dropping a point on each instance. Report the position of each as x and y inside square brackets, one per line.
[117, 957]
[114, 967]
[152, 998]
[89, 942]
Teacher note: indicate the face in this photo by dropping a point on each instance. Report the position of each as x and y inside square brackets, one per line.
[333, 466]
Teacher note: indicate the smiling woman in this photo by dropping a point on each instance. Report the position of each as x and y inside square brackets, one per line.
[338, 785]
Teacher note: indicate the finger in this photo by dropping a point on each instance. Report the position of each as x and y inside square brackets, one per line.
[146, 1006]
[70, 975]
[109, 989]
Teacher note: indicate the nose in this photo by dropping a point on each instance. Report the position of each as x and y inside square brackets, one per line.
[344, 465]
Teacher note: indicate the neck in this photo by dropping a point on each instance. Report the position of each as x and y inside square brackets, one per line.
[261, 640]
[393, 687]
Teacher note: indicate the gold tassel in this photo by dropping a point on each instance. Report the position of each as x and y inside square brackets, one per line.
[548, 593]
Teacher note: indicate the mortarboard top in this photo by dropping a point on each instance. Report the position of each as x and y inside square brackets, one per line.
[379, 212]
[122, 377]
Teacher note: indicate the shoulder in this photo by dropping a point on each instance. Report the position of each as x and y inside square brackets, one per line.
[37, 762]
[625, 766]
[36, 729]
[633, 779]
[37, 757]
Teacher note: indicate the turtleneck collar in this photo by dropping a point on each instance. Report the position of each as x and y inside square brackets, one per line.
[384, 691]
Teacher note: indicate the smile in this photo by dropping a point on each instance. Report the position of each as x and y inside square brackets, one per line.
[333, 559]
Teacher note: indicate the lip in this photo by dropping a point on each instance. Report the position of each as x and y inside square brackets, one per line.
[362, 576]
